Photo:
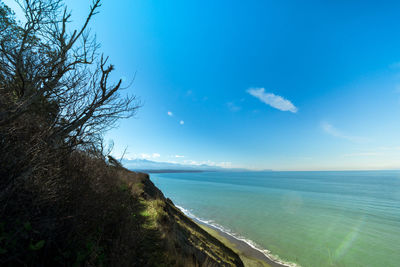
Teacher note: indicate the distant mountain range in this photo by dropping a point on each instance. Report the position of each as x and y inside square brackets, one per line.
[155, 166]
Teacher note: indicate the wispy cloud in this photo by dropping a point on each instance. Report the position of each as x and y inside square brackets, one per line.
[179, 156]
[146, 156]
[331, 130]
[170, 113]
[226, 164]
[272, 100]
[181, 122]
[233, 107]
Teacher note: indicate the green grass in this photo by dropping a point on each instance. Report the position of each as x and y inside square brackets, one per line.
[154, 211]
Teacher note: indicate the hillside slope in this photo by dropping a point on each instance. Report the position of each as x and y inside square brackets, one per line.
[181, 242]
[96, 213]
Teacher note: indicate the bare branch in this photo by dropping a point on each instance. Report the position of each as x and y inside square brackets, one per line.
[48, 70]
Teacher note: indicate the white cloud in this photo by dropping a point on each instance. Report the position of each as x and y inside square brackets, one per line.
[330, 129]
[172, 161]
[144, 156]
[179, 156]
[170, 113]
[148, 156]
[224, 164]
[191, 162]
[272, 100]
[181, 122]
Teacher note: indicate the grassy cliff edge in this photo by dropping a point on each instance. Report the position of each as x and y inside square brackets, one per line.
[182, 242]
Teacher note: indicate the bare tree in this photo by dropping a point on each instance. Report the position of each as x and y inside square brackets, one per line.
[59, 74]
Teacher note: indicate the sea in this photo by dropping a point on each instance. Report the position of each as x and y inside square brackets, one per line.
[329, 218]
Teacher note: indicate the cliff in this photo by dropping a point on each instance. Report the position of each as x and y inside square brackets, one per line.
[96, 213]
[180, 241]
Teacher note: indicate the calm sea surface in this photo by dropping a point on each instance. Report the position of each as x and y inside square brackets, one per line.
[308, 218]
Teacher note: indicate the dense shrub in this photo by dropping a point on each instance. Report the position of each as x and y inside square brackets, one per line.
[60, 201]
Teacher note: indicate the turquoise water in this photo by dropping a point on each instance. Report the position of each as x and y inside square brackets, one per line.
[307, 218]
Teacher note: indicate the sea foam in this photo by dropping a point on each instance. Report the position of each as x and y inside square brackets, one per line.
[249, 242]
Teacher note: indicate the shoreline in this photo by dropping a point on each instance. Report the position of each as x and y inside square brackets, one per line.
[242, 248]
[247, 252]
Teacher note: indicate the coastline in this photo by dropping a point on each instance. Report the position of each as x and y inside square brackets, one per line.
[249, 254]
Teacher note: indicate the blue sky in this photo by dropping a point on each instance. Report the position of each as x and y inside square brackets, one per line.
[284, 85]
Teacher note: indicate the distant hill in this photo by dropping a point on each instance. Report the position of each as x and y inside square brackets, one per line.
[155, 166]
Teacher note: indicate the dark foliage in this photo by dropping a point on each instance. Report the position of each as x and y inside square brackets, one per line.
[56, 101]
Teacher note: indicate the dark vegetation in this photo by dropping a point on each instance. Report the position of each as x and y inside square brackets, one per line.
[63, 200]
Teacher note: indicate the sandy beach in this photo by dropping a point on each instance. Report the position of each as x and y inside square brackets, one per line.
[249, 255]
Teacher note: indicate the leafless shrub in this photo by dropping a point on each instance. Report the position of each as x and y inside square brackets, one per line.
[56, 101]
[48, 70]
